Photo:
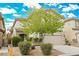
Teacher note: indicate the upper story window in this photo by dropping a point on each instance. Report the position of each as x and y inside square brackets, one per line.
[77, 23]
[70, 24]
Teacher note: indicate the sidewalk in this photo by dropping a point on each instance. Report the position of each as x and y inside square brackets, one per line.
[4, 51]
[58, 50]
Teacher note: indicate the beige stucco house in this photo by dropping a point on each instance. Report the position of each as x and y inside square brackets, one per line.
[16, 29]
[71, 30]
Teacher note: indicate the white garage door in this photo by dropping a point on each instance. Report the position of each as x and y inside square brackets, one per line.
[78, 38]
[57, 40]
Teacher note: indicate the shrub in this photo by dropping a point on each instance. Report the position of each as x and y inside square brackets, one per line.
[25, 47]
[40, 39]
[46, 48]
[16, 40]
[30, 39]
[36, 39]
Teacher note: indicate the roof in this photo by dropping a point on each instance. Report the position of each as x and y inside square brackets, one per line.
[70, 19]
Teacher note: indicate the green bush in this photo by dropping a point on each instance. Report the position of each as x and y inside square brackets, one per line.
[25, 47]
[36, 39]
[40, 39]
[16, 40]
[46, 48]
[30, 39]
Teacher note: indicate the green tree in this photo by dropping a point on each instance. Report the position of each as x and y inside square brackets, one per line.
[43, 21]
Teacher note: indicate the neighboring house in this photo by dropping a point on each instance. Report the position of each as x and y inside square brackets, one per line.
[2, 30]
[16, 28]
[71, 30]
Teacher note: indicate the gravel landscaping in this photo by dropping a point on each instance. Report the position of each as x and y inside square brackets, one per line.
[37, 52]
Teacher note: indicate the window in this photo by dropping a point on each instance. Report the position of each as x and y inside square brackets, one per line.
[77, 23]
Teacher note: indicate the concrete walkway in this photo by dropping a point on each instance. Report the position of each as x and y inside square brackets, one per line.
[68, 50]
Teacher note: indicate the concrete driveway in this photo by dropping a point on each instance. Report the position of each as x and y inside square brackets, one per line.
[67, 50]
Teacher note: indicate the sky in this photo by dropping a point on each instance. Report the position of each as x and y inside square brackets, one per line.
[11, 11]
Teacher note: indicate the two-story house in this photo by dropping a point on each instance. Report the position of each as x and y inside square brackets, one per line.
[71, 30]
[16, 28]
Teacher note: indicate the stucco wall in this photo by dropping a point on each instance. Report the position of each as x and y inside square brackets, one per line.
[69, 34]
[70, 23]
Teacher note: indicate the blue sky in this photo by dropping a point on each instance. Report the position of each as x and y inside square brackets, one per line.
[11, 11]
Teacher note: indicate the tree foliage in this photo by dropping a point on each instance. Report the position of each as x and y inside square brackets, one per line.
[43, 21]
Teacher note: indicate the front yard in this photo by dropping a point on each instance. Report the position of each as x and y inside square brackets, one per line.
[58, 50]
[35, 52]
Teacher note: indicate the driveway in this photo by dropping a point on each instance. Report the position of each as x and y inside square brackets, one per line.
[67, 50]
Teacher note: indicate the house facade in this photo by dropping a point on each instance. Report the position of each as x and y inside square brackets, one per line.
[16, 28]
[71, 30]
[2, 30]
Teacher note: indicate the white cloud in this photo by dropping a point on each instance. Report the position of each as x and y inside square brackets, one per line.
[7, 10]
[23, 9]
[31, 5]
[52, 4]
[9, 20]
[71, 15]
[66, 9]
[60, 6]
[74, 7]
[70, 7]
[63, 14]
[16, 7]
[8, 6]
[16, 15]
